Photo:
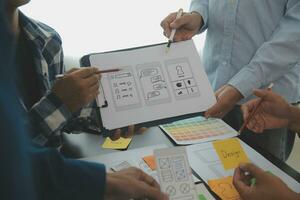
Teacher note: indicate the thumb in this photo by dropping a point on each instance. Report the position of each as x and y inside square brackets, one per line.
[265, 94]
[178, 23]
[254, 171]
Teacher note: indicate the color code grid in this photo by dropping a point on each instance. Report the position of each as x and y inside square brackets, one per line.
[197, 130]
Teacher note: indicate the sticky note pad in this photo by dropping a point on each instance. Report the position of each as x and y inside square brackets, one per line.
[150, 160]
[224, 188]
[121, 143]
[230, 153]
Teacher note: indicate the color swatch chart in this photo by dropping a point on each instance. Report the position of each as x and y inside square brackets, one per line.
[197, 130]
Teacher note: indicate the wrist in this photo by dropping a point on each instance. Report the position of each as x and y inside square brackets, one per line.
[294, 118]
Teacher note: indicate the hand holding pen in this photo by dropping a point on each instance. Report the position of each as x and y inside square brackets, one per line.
[78, 87]
[186, 25]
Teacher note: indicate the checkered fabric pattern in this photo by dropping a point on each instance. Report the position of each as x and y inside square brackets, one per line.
[48, 116]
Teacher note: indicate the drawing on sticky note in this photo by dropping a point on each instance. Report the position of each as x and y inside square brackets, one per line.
[183, 81]
[224, 188]
[124, 90]
[230, 152]
[153, 83]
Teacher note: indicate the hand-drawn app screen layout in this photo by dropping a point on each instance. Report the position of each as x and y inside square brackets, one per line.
[124, 90]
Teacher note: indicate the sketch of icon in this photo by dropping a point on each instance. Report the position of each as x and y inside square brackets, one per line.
[166, 175]
[179, 84]
[182, 92]
[153, 94]
[193, 90]
[117, 91]
[179, 70]
[190, 82]
[171, 190]
[159, 86]
[156, 79]
[164, 163]
[149, 72]
[184, 188]
[123, 75]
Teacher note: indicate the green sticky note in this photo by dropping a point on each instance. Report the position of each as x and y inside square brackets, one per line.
[202, 197]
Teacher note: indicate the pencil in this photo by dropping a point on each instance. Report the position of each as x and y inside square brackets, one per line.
[173, 32]
[99, 72]
[254, 111]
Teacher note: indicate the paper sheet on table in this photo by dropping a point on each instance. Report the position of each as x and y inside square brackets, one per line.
[174, 173]
[153, 85]
[230, 152]
[130, 158]
[224, 188]
[206, 163]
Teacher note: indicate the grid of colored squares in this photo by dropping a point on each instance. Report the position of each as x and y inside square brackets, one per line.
[196, 128]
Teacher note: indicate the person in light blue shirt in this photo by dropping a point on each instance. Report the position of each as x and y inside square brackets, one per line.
[249, 44]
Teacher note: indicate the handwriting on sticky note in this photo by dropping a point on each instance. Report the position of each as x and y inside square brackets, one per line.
[224, 188]
[121, 143]
[230, 153]
[150, 160]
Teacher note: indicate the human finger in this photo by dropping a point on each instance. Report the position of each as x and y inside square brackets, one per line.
[239, 183]
[72, 70]
[130, 132]
[142, 130]
[165, 24]
[91, 80]
[215, 110]
[86, 72]
[180, 22]
[148, 179]
[254, 171]
[116, 135]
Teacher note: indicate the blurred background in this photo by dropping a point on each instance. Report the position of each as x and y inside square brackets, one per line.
[95, 26]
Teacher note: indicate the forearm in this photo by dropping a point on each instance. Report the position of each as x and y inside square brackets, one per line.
[294, 122]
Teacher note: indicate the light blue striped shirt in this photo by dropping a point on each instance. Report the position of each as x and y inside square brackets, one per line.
[251, 43]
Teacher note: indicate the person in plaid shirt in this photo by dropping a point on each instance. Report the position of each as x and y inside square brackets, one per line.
[51, 104]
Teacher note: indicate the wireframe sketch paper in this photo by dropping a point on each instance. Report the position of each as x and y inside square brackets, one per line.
[152, 84]
[175, 174]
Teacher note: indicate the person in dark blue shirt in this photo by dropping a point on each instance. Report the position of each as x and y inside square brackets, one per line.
[30, 172]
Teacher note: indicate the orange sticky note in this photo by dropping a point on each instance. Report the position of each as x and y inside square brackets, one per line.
[224, 188]
[230, 153]
[121, 143]
[150, 160]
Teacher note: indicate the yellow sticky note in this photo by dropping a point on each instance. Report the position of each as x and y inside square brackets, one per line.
[224, 188]
[230, 152]
[150, 160]
[121, 143]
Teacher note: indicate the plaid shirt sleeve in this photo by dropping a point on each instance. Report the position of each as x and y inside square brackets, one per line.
[49, 115]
